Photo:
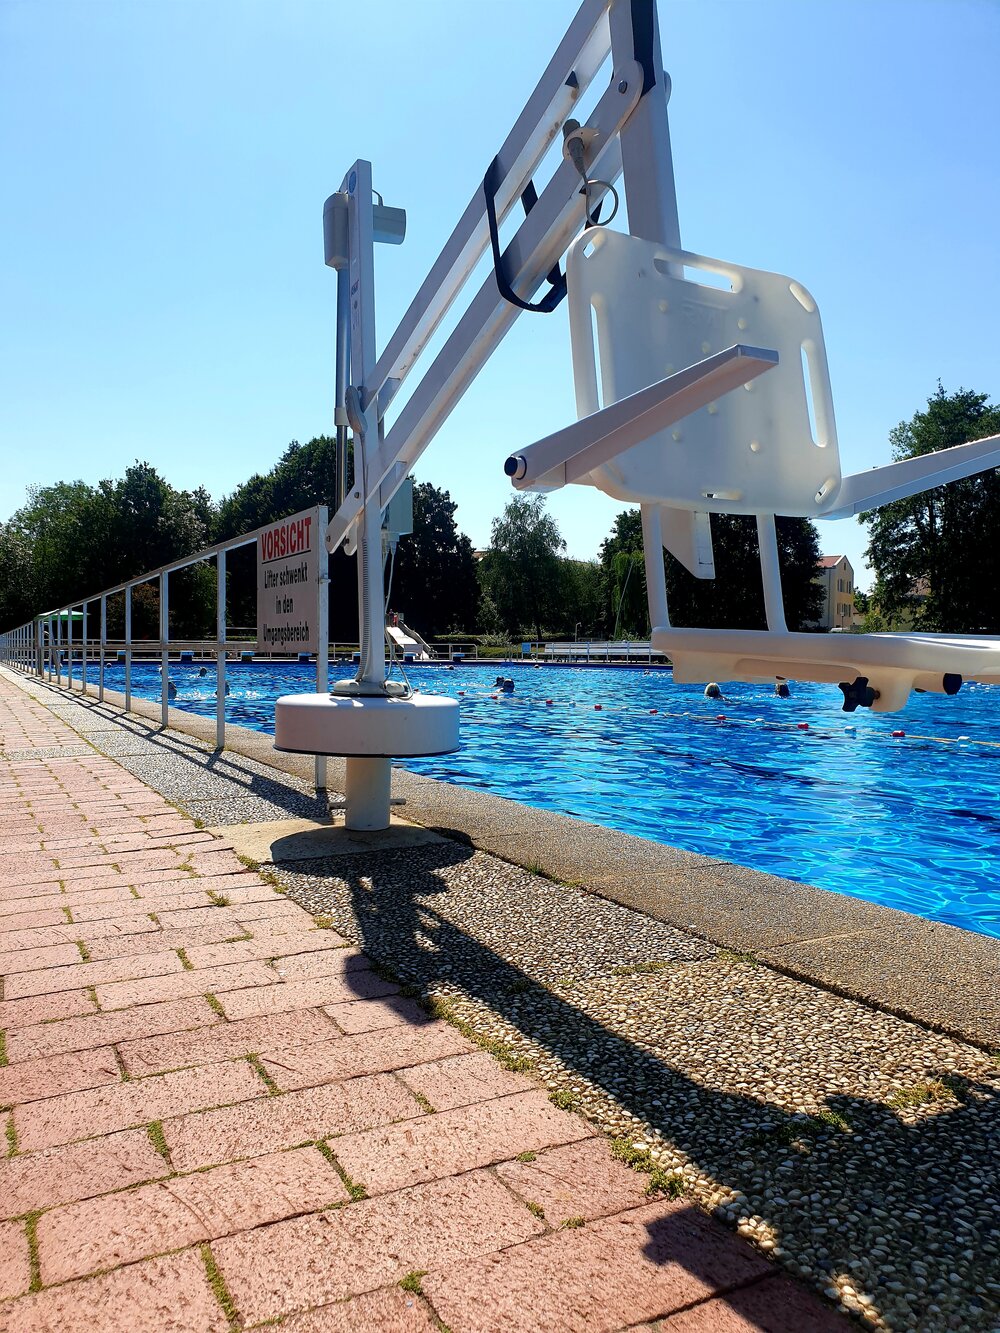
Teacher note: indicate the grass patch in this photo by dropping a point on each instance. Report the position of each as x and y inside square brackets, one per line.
[92, 995]
[423, 1103]
[639, 1159]
[238, 939]
[354, 1188]
[564, 1099]
[500, 1050]
[412, 1281]
[572, 1223]
[133, 891]
[735, 956]
[218, 1284]
[255, 1063]
[213, 1003]
[247, 861]
[31, 1232]
[528, 1156]
[154, 918]
[158, 1139]
[186, 962]
[935, 1092]
[217, 899]
[535, 1209]
[68, 914]
[324, 921]
[11, 1137]
[83, 950]
[638, 969]
[3, 1049]
[670, 1183]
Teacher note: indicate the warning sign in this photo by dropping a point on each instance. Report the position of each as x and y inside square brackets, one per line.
[288, 584]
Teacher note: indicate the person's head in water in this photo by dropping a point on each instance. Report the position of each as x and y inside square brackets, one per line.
[781, 689]
[712, 691]
[203, 671]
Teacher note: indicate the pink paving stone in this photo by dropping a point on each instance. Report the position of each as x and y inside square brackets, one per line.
[576, 1180]
[291, 1265]
[15, 1260]
[81, 1034]
[167, 1295]
[467, 1078]
[28, 960]
[120, 994]
[634, 1266]
[80, 1115]
[19, 899]
[32, 1080]
[775, 1305]
[81, 974]
[80, 1171]
[121, 1228]
[303, 994]
[331, 962]
[186, 918]
[225, 1041]
[33, 921]
[390, 1012]
[23, 1014]
[272, 1123]
[396, 1156]
[367, 1053]
[127, 946]
[389, 1311]
[260, 947]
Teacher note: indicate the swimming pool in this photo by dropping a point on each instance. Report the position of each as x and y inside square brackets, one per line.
[911, 823]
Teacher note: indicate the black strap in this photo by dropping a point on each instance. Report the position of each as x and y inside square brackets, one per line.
[556, 279]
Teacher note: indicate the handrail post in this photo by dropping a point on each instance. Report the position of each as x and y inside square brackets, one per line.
[83, 627]
[104, 644]
[128, 649]
[69, 648]
[59, 616]
[164, 649]
[322, 631]
[220, 655]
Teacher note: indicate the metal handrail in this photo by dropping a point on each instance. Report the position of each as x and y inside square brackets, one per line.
[37, 646]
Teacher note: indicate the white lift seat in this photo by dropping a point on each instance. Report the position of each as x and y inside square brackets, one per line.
[653, 341]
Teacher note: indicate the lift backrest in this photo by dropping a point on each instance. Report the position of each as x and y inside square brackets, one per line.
[640, 311]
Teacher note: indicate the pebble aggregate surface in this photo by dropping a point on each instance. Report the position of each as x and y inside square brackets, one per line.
[858, 1149]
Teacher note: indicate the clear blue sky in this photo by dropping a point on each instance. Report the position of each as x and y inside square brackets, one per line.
[164, 167]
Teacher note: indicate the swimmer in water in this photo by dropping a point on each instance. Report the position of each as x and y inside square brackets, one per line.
[203, 671]
[712, 691]
[781, 689]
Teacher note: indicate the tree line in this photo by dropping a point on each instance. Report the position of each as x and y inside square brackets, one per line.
[935, 556]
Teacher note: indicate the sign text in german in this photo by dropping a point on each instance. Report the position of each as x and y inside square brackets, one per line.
[288, 584]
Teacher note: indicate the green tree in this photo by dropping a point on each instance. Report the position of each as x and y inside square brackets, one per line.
[434, 581]
[935, 555]
[580, 610]
[734, 599]
[520, 571]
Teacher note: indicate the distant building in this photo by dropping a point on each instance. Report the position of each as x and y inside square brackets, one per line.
[835, 576]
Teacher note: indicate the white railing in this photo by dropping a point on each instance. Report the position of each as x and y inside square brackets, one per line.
[44, 645]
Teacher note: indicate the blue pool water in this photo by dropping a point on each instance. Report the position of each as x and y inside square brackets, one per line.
[911, 823]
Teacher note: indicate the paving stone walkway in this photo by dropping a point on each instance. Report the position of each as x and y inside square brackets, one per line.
[218, 1116]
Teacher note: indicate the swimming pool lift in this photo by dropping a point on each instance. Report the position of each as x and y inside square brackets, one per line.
[692, 399]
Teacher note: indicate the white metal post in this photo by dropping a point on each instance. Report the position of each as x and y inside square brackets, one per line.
[104, 648]
[128, 649]
[69, 648]
[220, 655]
[59, 616]
[322, 628]
[83, 626]
[770, 569]
[164, 648]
